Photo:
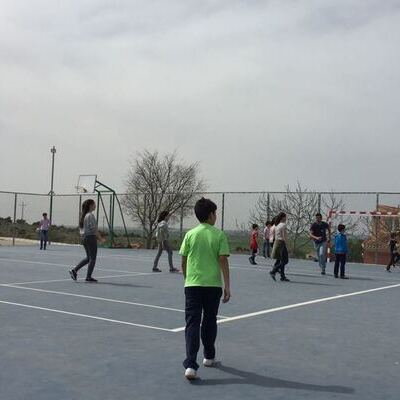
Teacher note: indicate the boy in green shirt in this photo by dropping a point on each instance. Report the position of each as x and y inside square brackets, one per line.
[205, 253]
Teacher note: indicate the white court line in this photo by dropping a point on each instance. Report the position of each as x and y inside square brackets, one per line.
[58, 265]
[140, 257]
[292, 270]
[16, 286]
[100, 298]
[296, 305]
[69, 279]
[115, 321]
[94, 298]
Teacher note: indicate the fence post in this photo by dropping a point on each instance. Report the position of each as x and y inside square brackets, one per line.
[80, 208]
[181, 224]
[377, 223]
[319, 202]
[223, 212]
[15, 218]
[144, 215]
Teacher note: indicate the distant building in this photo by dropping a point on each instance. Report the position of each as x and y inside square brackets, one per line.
[376, 246]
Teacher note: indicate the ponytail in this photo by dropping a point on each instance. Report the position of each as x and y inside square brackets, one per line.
[279, 218]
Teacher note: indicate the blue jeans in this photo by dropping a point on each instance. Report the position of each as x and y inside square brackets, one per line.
[320, 248]
[44, 238]
[266, 249]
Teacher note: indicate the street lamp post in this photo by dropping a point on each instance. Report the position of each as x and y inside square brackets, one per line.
[53, 153]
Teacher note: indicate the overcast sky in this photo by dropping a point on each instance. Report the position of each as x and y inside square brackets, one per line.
[261, 93]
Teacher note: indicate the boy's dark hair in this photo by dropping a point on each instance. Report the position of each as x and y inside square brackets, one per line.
[162, 216]
[44, 214]
[203, 208]
[255, 226]
[268, 223]
[318, 215]
[341, 227]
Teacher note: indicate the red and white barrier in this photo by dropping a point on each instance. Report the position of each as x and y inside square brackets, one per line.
[378, 214]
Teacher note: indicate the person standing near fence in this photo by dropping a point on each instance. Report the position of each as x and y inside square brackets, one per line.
[341, 250]
[44, 226]
[320, 232]
[253, 244]
[162, 235]
[394, 252]
[88, 232]
[266, 248]
[279, 251]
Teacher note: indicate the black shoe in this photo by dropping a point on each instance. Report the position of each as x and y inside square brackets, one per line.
[73, 274]
[323, 273]
[284, 279]
[336, 276]
[251, 261]
[157, 270]
[344, 277]
[91, 280]
[174, 270]
[272, 275]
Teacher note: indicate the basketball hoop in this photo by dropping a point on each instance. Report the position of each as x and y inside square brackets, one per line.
[80, 190]
[86, 184]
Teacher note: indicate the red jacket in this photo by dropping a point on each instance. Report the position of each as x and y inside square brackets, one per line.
[253, 240]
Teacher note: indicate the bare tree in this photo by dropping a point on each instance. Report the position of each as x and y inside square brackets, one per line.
[156, 183]
[300, 205]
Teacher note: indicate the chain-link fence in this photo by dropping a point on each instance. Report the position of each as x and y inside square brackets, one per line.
[368, 236]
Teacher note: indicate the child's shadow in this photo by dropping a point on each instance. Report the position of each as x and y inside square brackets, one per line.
[250, 378]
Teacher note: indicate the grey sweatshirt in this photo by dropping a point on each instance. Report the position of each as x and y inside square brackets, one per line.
[162, 233]
[89, 226]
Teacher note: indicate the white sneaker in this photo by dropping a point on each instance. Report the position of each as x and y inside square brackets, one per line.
[190, 374]
[209, 362]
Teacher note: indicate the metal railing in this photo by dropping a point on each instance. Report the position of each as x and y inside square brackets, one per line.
[236, 210]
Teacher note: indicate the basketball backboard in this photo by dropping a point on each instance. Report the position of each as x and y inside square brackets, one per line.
[86, 184]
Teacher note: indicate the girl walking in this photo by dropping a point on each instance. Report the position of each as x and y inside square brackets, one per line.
[88, 232]
[162, 235]
[279, 251]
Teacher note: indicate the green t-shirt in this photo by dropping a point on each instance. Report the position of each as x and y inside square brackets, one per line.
[203, 246]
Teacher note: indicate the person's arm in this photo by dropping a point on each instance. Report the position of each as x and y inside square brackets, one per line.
[312, 236]
[284, 234]
[224, 264]
[183, 266]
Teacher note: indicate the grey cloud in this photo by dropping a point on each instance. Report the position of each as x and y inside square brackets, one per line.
[260, 92]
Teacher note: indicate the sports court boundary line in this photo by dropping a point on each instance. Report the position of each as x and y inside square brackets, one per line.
[297, 305]
[115, 321]
[93, 297]
[45, 263]
[69, 279]
[15, 286]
